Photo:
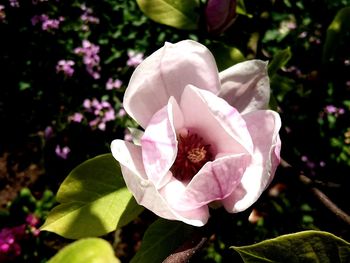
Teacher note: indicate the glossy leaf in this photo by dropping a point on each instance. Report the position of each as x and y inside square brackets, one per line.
[307, 246]
[225, 56]
[339, 26]
[94, 201]
[161, 239]
[181, 14]
[94, 250]
[279, 60]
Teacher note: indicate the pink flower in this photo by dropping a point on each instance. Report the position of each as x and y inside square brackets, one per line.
[208, 137]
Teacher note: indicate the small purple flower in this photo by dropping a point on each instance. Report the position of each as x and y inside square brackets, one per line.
[47, 24]
[50, 24]
[109, 115]
[135, 58]
[87, 18]
[96, 104]
[91, 59]
[113, 84]
[32, 220]
[121, 113]
[87, 104]
[14, 3]
[9, 238]
[65, 66]
[62, 152]
[102, 126]
[304, 158]
[331, 109]
[94, 122]
[103, 112]
[76, 117]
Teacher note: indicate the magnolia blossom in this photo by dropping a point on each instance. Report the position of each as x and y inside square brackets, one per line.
[208, 137]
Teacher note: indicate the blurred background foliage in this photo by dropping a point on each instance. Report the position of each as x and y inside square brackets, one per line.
[42, 138]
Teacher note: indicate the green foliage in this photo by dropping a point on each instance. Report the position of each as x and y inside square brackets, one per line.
[175, 13]
[336, 30]
[161, 239]
[89, 250]
[279, 61]
[307, 246]
[225, 56]
[94, 201]
[240, 9]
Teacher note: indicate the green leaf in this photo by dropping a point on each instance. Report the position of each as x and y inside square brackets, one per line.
[339, 26]
[91, 250]
[307, 246]
[24, 85]
[176, 13]
[279, 60]
[240, 9]
[161, 239]
[225, 56]
[94, 201]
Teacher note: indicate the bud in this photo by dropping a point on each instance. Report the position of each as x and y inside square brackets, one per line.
[220, 15]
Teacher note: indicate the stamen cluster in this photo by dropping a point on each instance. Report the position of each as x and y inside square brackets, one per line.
[192, 154]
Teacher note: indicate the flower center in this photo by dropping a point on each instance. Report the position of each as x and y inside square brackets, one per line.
[192, 154]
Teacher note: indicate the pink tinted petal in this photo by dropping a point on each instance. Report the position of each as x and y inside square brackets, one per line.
[264, 127]
[129, 155]
[165, 73]
[216, 121]
[159, 143]
[215, 181]
[130, 158]
[246, 86]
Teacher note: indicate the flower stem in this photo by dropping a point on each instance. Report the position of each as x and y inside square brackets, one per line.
[319, 194]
